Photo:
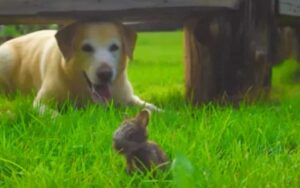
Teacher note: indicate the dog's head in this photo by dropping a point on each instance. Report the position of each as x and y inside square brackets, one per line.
[99, 50]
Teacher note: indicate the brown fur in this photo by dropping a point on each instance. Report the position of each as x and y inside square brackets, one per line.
[130, 139]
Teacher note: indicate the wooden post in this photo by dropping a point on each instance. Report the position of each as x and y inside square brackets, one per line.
[229, 56]
[297, 30]
[288, 43]
[200, 84]
[259, 38]
[207, 49]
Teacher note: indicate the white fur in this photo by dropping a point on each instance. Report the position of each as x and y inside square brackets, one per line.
[102, 56]
[44, 57]
[34, 61]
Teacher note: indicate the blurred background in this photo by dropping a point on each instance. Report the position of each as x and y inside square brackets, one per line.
[10, 31]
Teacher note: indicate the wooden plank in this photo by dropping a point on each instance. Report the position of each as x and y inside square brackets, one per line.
[21, 7]
[141, 15]
[61, 11]
[289, 7]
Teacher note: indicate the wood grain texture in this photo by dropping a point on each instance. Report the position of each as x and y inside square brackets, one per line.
[289, 7]
[229, 58]
[61, 11]
[138, 15]
[198, 67]
[207, 66]
[18, 7]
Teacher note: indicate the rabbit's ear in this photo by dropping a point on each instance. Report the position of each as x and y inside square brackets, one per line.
[143, 117]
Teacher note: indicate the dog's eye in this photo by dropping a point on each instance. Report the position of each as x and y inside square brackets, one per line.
[87, 48]
[113, 48]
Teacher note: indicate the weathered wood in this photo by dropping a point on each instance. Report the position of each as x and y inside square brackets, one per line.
[258, 44]
[230, 56]
[288, 12]
[13, 7]
[198, 67]
[289, 7]
[140, 15]
[149, 15]
[288, 43]
[207, 49]
[61, 11]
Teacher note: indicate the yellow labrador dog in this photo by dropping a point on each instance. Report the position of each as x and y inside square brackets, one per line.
[83, 62]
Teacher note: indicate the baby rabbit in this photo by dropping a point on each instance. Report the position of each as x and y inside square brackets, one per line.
[130, 140]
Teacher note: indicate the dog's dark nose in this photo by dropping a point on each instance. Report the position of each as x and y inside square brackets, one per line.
[105, 74]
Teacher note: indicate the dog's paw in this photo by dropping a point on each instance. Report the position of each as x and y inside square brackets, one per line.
[42, 109]
[135, 100]
[54, 114]
[152, 107]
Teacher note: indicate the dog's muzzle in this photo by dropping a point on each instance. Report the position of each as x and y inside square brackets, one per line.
[100, 93]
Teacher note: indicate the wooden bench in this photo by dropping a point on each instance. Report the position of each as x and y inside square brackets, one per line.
[230, 45]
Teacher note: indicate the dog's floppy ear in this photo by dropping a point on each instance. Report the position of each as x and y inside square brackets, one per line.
[143, 117]
[129, 40]
[65, 40]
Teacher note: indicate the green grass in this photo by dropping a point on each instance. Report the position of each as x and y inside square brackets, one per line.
[213, 146]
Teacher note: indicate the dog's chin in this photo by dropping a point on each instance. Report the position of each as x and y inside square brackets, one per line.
[101, 93]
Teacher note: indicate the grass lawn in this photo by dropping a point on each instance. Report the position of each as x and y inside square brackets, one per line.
[212, 146]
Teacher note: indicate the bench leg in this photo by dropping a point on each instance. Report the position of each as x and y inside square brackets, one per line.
[258, 41]
[208, 69]
[229, 57]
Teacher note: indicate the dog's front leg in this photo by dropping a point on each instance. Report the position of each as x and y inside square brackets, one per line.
[135, 100]
[41, 107]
